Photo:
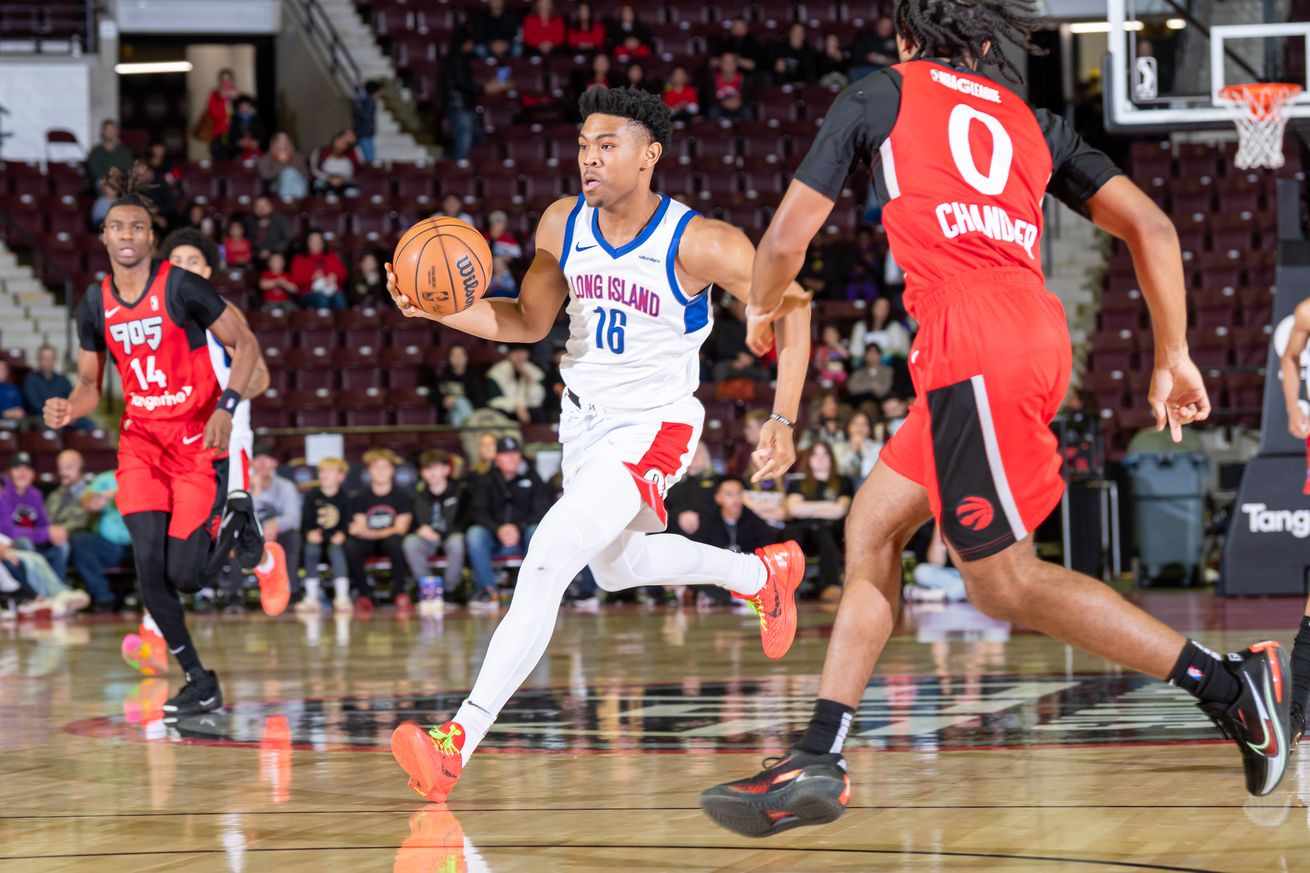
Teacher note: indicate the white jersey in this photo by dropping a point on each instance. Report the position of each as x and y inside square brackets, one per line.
[634, 333]
[241, 445]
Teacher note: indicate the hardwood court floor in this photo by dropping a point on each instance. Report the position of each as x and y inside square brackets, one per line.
[977, 748]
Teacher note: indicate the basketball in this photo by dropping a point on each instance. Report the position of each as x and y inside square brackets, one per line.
[442, 265]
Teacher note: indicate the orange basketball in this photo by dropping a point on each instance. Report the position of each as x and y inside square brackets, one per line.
[442, 265]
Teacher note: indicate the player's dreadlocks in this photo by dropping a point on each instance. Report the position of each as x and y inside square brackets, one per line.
[129, 189]
[643, 107]
[958, 29]
[190, 236]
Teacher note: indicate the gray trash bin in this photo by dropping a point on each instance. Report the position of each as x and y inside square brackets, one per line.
[1169, 512]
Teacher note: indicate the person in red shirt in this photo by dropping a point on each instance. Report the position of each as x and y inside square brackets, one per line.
[586, 33]
[544, 29]
[729, 91]
[962, 164]
[237, 251]
[275, 286]
[680, 96]
[319, 275]
[219, 112]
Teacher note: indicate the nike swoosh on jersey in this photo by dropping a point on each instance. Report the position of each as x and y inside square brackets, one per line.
[581, 248]
[186, 441]
[109, 313]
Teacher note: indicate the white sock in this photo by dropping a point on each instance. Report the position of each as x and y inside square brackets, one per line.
[341, 586]
[599, 503]
[311, 589]
[148, 622]
[638, 560]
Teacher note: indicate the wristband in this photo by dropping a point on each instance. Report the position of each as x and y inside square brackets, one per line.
[784, 419]
[228, 400]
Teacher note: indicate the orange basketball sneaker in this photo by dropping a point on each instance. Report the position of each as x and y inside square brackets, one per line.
[146, 651]
[775, 603]
[145, 702]
[431, 758]
[274, 584]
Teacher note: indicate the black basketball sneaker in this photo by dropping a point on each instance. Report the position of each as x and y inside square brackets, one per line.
[801, 788]
[240, 531]
[200, 694]
[1258, 721]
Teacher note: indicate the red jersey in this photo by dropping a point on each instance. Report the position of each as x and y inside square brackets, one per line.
[960, 164]
[157, 343]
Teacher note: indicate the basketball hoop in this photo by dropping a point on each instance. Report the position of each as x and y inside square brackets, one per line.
[1260, 119]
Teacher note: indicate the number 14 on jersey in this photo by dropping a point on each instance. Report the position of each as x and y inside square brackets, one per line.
[148, 374]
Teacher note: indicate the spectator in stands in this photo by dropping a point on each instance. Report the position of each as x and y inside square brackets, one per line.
[882, 328]
[275, 285]
[856, 456]
[544, 30]
[794, 60]
[63, 506]
[628, 37]
[586, 34]
[729, 92]
[506, 504]
[268, 231]
[486, 457]
[521, 383]
[380, 517]
[935, 578]
[325, 516]
[827, 423]
[740, 44]
[866, 256]
[105, 196]
[461, 94]
[105, 545]
[766, 498]
[161, 163]
[246, 133]
[368, 284]
[277, 504]
[894, 410]
[728, 345]
[496, 31]
[334, 164]
[237, 250]
[691, 500]
[833, 66]
[440, 505]
[874, 48]
[872, 381]
[636, 78]
[11, 400]
[831, 357]
[107, 154]
[817, 506]
[680, 95]
[364, 117]
[453, 207]
[159, 194]
[196, 214]
[460, 387]
[502, 282]
[601, 75]
[502, 242]
[219, 114]
[752, 423]
[45, 382]
[732, 526]
[22, 514]
[285, 172]
[319, 275]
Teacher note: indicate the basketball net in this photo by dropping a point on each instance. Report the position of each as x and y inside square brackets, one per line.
[1258, 112]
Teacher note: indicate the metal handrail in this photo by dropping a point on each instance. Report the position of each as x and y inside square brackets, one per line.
[320, 28]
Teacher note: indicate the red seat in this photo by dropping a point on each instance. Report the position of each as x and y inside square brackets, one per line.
[364, 407]
[270, 410]
[359, 368]
[312, 369]
[314, 327]
[412, 406]
[36, 442]
[1211, 347]
[314, 408]
[1214, 307]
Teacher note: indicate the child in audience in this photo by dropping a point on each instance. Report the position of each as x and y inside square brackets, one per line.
[237, 251]
[274, 283]
[325, 519]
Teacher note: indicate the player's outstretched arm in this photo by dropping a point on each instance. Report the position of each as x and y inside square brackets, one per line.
[713, 252]
[528, 318]
[232, 330]
[1297, 423]
[782, 250]
[60, 412]
[1177, 394]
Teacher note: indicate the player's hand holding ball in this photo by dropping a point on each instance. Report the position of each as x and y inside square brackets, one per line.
[441, 267]
[58, 413]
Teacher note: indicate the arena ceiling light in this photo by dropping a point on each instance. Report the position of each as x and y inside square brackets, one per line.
[1175, 24]
[1101, 26]
[147, 68]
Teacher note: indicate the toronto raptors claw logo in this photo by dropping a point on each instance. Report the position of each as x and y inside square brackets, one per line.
[975, 513]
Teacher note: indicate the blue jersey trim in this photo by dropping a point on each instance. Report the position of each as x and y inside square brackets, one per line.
[655, 221]
[671, 259]
[568, 233]
[697, 315]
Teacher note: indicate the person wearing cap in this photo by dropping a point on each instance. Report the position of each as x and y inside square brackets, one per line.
[508, 502]
[23, 518]
[522, 385]
[380, 517]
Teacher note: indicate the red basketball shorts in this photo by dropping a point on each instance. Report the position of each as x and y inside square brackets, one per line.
[163, 467]
[990, 365]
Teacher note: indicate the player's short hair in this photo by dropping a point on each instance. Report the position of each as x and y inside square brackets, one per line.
[642, 107]
[129, 189]
[333, 464]
[190, 236]
[958, 29]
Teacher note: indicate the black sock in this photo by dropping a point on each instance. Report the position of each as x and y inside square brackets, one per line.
[1202, 673]
[188, 660]
[828, 727]
[1301, 665]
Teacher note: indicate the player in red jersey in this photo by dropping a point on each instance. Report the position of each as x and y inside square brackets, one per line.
[151, 318]
[961, 164]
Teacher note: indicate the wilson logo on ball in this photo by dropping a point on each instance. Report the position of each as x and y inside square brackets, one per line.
[469, 274]
[975, 513]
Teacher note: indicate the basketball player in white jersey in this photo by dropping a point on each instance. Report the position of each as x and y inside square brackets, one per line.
[636, 269]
